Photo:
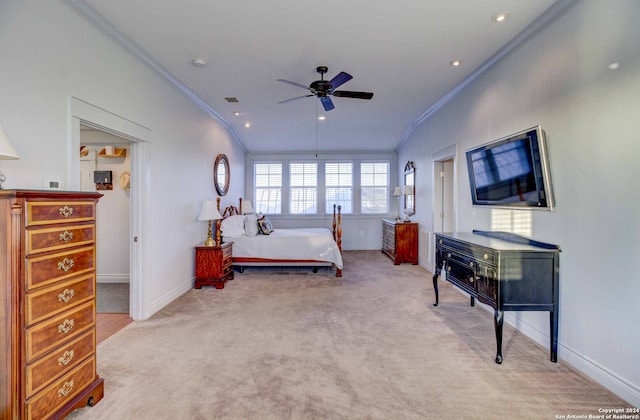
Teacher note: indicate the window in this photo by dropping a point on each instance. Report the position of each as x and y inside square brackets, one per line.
[300, 186]
[303, 197]
[339, 186]
[268, 187]
[374, 180]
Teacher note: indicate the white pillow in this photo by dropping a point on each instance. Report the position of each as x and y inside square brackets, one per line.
[233, 226]
[251, 224]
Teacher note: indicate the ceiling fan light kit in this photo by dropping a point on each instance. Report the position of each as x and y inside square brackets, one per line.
[323, 89]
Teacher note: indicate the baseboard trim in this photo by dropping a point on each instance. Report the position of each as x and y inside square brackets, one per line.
[614, 383]
[112, 278]
[170, 297]
[608, 379]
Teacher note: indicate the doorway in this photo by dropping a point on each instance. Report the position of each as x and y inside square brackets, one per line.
[136, 136]
[444, 187]
[107, 156]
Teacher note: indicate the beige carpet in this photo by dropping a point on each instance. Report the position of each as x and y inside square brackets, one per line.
[369, 345]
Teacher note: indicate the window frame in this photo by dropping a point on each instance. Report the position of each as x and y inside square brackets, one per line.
[355, 158]
[328, 206]
[314, 188]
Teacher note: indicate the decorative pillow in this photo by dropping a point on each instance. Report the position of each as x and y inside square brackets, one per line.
[251, 227]
[265, 225]
[233, 226]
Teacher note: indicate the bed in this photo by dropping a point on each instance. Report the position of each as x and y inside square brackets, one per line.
[309, 247]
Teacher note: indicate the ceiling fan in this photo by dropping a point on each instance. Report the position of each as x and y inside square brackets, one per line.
[323, 88]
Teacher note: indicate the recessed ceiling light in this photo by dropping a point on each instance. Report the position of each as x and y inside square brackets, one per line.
[322, 118]
[614, 66]
[455, 63]
[199, 62]
[236, 113]
[247, 125]
[500, 17]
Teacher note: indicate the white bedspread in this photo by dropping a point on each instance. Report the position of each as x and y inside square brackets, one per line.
[289, 244]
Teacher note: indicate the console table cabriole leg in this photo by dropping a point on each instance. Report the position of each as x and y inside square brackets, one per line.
[435, 287]
[498, 320]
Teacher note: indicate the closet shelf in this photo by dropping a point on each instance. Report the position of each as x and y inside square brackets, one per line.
[118, 152]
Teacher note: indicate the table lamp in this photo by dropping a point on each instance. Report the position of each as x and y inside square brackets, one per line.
[407, 190]
[397, 192]
[247, 208]
[7, 152]
[209, 211]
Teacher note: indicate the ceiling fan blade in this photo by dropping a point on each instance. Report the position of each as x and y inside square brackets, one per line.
[351, 94]
[327, 103]
[340, 79]
[293, 84]
[293, 99]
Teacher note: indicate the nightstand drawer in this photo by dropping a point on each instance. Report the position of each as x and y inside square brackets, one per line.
[48, 301]
[49, 334]
[228, 268]
[50, 212]
[53, 267]
[61, 391]
[55, 238]
[39, 374]
[227, 252]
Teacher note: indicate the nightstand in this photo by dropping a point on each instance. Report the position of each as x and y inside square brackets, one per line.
[400, 241]
[213, 265]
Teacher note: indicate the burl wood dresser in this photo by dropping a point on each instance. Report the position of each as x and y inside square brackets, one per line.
[47, 303]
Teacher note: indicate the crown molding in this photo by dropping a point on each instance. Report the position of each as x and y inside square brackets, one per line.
[98, 21]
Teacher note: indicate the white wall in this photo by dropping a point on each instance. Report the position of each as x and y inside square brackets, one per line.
[49, 55]
[560, 80]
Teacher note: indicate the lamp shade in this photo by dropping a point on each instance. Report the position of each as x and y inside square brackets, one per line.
[6, 148]
[397, 192]
[247, 208]
[407, 190]
[209, 211]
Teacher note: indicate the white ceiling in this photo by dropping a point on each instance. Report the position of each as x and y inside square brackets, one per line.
[401, 50]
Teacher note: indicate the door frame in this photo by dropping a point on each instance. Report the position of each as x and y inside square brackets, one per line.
[437, 158]
[82, 112]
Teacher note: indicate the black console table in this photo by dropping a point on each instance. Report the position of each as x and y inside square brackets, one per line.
[506, 271]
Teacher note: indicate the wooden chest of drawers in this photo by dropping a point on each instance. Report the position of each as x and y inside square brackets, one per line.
[214, 265]
[400, 241]
[47, 304]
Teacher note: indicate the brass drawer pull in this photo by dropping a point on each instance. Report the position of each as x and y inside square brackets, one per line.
[66, 295]
[66, 389]
[66, 236]
[66, 357]
[470, 263]
[65, 211]
[66, 264]
[66, 326]
[486, 256]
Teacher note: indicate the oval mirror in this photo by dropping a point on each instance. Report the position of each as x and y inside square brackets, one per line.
[221, 174]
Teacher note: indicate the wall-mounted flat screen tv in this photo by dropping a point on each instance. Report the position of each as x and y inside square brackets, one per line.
[512, 172]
